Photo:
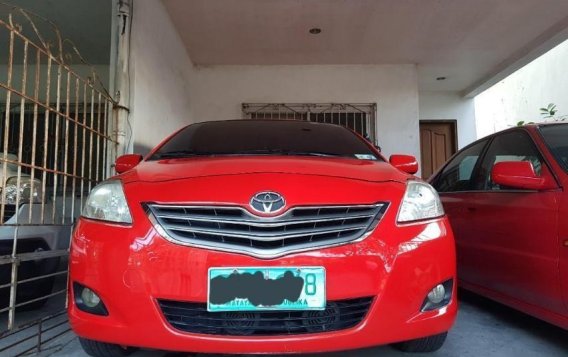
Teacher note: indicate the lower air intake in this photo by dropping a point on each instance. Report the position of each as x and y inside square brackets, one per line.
[194, 318]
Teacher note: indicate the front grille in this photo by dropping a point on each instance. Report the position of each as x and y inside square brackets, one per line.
[232, 228]
[194, 318]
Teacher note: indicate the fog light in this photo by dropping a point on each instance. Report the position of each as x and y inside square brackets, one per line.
[437, 294]
[90, 299]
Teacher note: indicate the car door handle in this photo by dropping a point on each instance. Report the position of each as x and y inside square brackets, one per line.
[471, 209]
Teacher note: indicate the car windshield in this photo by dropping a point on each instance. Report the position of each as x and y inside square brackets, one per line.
[556, 138]
[265, 137]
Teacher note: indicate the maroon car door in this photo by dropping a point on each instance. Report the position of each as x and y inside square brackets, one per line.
[563, 238]
[513, 234]
[456, 188]
[556, 142]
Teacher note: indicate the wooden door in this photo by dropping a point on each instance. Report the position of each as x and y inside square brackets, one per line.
[437, 144]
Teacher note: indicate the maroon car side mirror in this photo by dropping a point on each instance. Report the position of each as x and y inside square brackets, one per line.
[405, 163]
[126, 162]
[519, 174]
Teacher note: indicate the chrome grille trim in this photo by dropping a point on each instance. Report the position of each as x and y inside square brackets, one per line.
[260, 224]
[234, 229]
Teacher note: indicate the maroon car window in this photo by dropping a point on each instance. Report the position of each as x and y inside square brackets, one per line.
[556, 138]
[457, 174]
[265, 137]
[510, 146]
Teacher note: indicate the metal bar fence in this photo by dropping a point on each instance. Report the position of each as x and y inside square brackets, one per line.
[57, 141]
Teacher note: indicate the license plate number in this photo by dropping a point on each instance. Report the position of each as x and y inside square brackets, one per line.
[266, 288]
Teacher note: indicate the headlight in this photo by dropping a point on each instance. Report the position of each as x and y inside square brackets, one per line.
[107, 202]
[420, 201]
[29, 191]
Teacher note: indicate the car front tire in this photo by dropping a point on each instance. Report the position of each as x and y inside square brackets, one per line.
[425, 344]
[103, 349]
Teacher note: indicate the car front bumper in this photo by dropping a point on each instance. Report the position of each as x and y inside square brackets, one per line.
[131, 268]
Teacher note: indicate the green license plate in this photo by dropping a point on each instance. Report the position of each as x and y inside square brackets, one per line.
[266, 288]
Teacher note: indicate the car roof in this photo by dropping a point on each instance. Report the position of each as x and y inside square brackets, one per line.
[530, 127]
[548, 123]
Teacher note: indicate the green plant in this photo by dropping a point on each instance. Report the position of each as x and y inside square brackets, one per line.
[522, 122]
[550, 113]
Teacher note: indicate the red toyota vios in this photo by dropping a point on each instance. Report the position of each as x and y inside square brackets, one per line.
[252, 236]
[506, 197]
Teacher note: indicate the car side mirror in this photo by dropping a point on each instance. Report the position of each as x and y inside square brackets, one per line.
[520, 175]
[126, 162]
[405, 163]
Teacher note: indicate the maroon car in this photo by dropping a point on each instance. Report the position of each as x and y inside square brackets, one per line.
[506, 199]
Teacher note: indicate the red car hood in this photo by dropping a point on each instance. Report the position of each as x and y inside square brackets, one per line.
[173, 169]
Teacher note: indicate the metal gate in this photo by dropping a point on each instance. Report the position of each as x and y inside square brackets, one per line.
[56, 143]
[360, 118]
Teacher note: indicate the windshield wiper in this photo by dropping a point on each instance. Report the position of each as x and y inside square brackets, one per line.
[180, 154]
[190, 153]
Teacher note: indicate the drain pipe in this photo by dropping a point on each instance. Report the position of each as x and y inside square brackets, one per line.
[122, 27]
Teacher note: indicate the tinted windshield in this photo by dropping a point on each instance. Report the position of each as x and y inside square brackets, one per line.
[556, 138]
[257, 137]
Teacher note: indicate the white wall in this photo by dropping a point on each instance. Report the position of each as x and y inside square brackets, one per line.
[450, 106]
[161, 73]
[519, 96]
[219, 91]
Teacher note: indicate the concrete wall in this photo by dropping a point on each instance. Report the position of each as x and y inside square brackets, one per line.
[450, 106]
[519, 96]
[219, 91]
[161, 73]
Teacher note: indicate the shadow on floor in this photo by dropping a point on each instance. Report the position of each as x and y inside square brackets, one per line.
[516, 319]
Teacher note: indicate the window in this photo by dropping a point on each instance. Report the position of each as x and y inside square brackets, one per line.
[265, 137]
[457, 175]
[556, 137]
[358, 117]
[512, 146]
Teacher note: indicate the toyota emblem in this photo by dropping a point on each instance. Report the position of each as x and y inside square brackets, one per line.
[267, 202]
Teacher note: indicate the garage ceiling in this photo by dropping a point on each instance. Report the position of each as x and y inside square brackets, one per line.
[472, 43]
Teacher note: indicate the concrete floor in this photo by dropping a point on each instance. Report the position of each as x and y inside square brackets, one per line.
[483, 329]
